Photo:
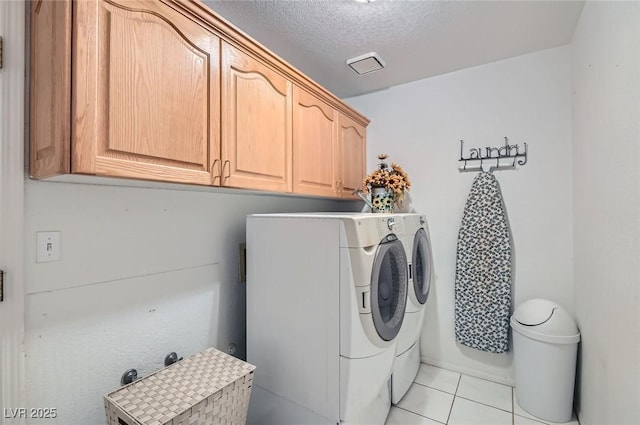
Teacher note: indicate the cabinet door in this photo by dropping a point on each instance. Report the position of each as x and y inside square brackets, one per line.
[145, 86]
[315, 132]
[256, 116]
[352, 142]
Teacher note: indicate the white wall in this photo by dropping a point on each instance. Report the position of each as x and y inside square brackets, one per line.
[420, 125]
[606, 127]
[144, 272]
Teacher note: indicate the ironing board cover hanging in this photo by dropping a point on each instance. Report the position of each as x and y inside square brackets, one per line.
[483, 269]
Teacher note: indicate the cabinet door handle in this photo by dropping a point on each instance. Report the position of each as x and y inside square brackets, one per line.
[213, 171]
[227, 164]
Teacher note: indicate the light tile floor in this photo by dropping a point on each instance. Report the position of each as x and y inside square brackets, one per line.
[439, 396]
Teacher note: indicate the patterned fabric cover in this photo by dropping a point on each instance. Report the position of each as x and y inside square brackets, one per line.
[483, 269]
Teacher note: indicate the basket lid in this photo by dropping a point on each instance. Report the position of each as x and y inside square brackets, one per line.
[162, 396]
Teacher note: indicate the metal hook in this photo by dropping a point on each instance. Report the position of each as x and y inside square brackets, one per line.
[505, 152]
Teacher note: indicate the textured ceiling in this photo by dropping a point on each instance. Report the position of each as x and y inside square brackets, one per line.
[416, 38]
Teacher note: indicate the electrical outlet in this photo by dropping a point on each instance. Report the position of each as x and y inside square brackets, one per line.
[47, 247]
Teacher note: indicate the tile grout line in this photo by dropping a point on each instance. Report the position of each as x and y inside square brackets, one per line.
[454, 398]
[434, 388]
[484, 404]
[458, 384]
[418, 414]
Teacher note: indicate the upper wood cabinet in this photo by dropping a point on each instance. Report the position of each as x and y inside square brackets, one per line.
[315, 155]
[352, 148]
[256, 130]
[145, 100]
[167, 90]
[144, 93]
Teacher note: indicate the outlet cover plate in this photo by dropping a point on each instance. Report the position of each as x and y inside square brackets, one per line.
[47, 247]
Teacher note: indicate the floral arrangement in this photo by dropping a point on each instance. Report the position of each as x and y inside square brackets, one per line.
[393, 178]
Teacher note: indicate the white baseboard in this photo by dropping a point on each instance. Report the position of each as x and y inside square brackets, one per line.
[468, 371]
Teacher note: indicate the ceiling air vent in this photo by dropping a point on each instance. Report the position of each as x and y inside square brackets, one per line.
[366, 63]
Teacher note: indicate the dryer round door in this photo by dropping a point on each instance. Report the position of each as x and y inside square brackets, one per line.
[421, 261]
[389, 282]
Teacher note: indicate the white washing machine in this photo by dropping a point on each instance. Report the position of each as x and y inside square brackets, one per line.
[418, 248]
[326, 298]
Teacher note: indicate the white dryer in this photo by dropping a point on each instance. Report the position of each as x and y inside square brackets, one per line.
[326, 298]
[418, 247]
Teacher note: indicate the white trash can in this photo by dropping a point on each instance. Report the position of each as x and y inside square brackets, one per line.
[545, 344]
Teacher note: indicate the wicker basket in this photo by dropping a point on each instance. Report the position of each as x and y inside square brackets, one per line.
[208, 388]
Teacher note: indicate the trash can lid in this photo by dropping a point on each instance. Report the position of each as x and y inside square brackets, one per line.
[545, 320]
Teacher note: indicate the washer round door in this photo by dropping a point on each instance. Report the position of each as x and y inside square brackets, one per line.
[389, 282]
[421, 260]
